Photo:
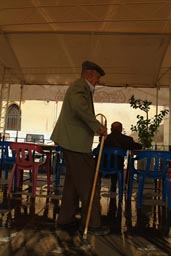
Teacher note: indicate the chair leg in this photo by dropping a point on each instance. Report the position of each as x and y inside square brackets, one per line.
[6, 171]
[57, 178]
[168, 192]
[130, 186]
[140, 190]
[164, 189]
[20, 178]
[48, 170]
[48, 178]
[34, 181]
[11, 179]
[120, 185]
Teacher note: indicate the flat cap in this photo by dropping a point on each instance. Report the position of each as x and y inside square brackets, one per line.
[88, 65]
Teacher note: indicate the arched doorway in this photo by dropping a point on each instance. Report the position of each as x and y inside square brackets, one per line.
[13, 121]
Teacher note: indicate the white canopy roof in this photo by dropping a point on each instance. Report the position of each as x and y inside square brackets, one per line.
[44, 42]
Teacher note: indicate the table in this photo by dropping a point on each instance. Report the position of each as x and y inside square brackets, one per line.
[52, 150]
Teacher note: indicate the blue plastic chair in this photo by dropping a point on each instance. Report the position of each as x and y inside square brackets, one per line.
[151, 164]
[7, 157]
[110, 163]
[60, 164]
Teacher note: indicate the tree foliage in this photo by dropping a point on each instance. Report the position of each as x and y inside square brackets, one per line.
[146, 127]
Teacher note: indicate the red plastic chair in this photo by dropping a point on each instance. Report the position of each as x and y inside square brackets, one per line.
[25, 160]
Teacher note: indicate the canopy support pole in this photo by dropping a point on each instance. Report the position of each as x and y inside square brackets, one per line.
[170, 115]
[4, 101]
[19, 121]
[157, 105]
[6, 108]
[1, 94]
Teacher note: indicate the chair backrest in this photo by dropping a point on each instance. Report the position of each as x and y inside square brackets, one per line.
[151, 160]
[25, 152]
[112, 159]
[5, 152]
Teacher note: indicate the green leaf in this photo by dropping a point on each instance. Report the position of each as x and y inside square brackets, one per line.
[146, 127]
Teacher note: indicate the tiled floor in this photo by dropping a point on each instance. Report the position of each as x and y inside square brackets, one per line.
[28, 227]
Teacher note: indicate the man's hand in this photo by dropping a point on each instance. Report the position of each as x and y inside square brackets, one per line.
[102, 131]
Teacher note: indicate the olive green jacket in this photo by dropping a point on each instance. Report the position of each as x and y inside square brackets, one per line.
[77, 124]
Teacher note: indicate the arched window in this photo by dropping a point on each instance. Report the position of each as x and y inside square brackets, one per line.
[13, 121]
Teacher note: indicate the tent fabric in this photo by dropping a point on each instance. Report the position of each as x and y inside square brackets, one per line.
[102, 94]
[44, 42]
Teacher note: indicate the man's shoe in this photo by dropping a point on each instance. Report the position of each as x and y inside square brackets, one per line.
[100, 231]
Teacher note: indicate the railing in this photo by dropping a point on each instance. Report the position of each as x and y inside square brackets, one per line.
[27, 137]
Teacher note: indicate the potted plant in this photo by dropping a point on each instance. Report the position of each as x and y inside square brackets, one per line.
[146, 127]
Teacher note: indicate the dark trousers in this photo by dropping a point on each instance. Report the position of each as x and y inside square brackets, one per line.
[80, 170]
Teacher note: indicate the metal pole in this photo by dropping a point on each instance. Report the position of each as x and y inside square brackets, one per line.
[169, 115]
[93, 189]
[157, 102]
[103, 121]
[19, 121]
[1, 101]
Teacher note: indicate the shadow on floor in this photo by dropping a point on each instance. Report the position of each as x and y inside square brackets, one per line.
[28, 227]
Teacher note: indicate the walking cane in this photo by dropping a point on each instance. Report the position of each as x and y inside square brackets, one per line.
[94, 183]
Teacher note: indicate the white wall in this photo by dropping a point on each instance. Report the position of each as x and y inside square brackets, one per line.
[41, 116]
[37, 116]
